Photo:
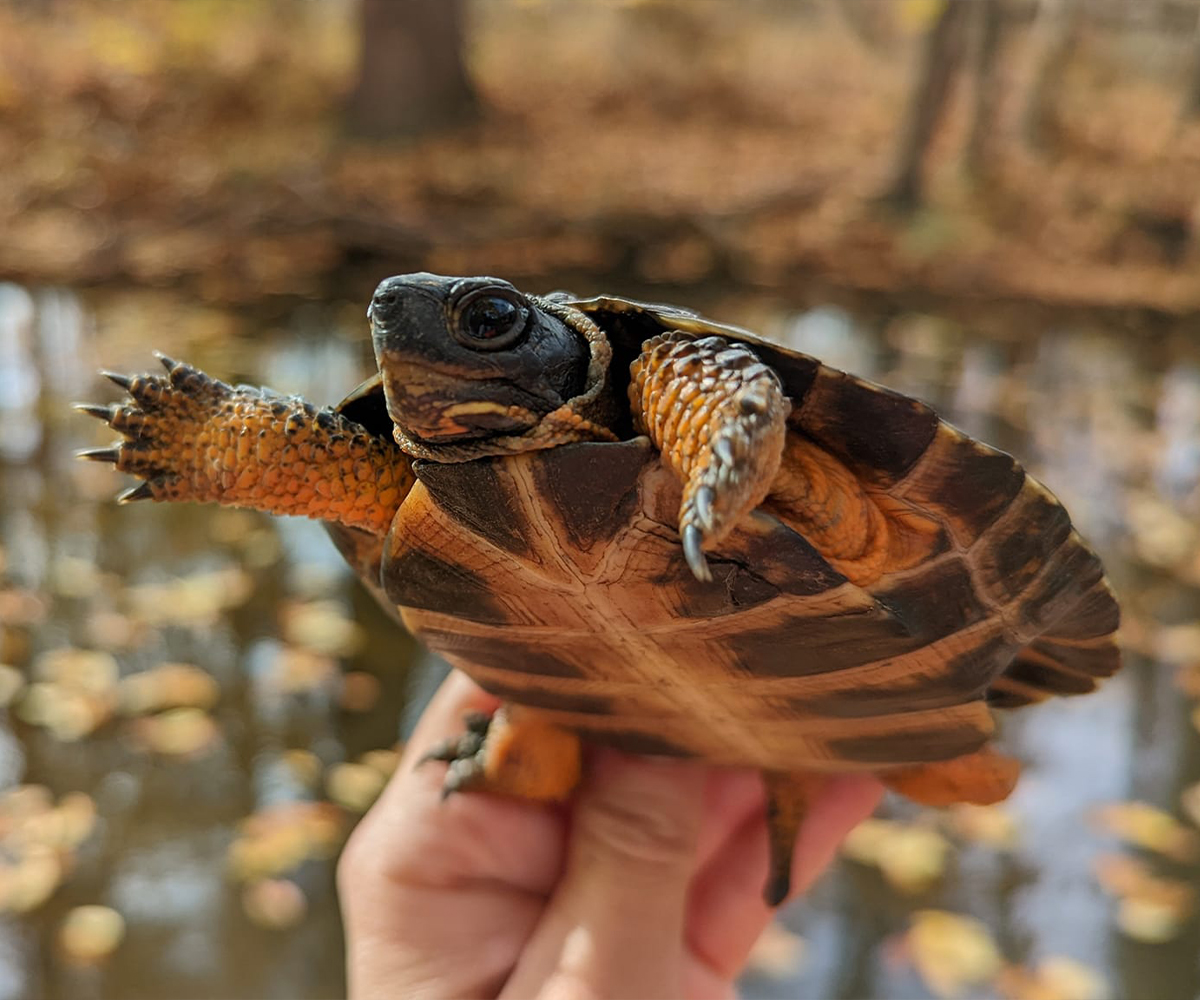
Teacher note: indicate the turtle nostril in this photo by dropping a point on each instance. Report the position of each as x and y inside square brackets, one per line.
[387, 298]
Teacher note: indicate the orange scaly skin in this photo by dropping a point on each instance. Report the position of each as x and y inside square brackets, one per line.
[982, 778]
[514, 751]
[192, 438]
[718, 415]
[825, 502]
[527, 756]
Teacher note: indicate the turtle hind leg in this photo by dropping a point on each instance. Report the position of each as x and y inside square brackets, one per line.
[982, 778]
[789, 797]
[511, 752]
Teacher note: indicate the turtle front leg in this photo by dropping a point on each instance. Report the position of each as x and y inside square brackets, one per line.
[511, 752]
[189, 437]
[718, 415]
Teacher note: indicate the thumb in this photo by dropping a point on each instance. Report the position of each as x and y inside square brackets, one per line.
[614, 926]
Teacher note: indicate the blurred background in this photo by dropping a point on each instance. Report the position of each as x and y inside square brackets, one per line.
[989, 205]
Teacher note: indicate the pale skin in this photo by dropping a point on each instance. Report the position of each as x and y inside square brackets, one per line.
[648, 885]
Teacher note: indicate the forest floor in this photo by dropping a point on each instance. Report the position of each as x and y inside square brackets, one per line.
[198, 145]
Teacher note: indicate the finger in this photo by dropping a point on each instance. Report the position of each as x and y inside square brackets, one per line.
[726, 910]
[468, 837]
[443, 895]
[731, 798]
[614, 926]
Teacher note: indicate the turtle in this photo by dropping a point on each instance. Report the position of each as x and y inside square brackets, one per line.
[639, 527]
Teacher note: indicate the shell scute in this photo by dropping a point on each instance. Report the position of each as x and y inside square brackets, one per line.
[965, 484]
[878, 433]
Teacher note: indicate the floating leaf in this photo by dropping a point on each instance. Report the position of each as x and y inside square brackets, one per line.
[67, 713]
[111, 630]
[304, 765]
[89, 934]
[1178, 644]
[1154, 920]
[360, 691]
[992, 826]
[1122, 874]
[912, 857]
[1054, 978]
[91, 670]
[277, 839]
[197, 601]
[31, 880]
[1189, 800]
[354, 786]
[1150, 828]
[274, 903]
[296, 670]
[322, 626]
[383, 761]
[169, 685]
[1152, 909]
[778, 953]
[953, 953]
[178, 732]
[21, 607]
[12, 683]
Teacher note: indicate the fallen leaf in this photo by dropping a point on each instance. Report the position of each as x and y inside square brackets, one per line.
[169, 685]
[1053, 978]
[177, 732]
[360, 691]
[323, 627]
[992, 826]
[778, 953]
[354, 786]
[1148, 827]
[89, 934]
[953, 953]
[911, 857]
[276, 904]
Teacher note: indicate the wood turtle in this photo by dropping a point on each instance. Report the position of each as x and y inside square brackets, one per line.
[642, 528]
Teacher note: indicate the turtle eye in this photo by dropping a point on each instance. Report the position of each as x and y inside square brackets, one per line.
[488, 320]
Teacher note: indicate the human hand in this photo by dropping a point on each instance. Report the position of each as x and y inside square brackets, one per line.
[648, 885]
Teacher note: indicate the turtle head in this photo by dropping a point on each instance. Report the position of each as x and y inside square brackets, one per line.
[470, 361]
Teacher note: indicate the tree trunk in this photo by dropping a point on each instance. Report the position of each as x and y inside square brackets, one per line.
[411, 76]
[1189, 110]
[939, 62]
[980, 152]
[1057, 25]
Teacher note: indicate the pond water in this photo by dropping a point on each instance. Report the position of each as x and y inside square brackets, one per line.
[1107, 415]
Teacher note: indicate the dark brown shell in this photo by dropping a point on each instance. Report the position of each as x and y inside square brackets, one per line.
[556, 579]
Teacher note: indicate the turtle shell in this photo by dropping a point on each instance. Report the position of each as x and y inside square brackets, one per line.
[556, 579]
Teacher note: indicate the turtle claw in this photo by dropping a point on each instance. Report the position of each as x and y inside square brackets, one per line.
[110, 454]
[140, 492]
[463, 753]
[170, 364]
[124, 381]
[105, 413]
[693, 540]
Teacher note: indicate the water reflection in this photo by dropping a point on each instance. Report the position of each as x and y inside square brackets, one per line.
[1098, 417]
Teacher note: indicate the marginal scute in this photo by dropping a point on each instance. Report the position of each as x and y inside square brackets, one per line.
[1021, 541]
[966, 484]
[798, 645]
[956, 605]
[877, 433]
